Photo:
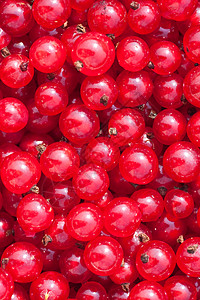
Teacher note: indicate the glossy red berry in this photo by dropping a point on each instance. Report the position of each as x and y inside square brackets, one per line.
[165, 57]
[126, 126]
[188, 256]
[92, 290]
[79, 124]
[148, 289]
[191, 44]
[57, 236]
[135, 88]
[51, 14]
[49, 284]
[155, 260]
[14, 115]
[7, 149]
[168, 90]
[6, 284]
[178, 10]
[193, 129]
[91, 182]
[20, 172]
[81, 5]
[61, 196]
[99, 92]
[103, 256]
[133, 53]
[85, 222]
[4, 39]
[34, 213]
[122, 217]
[169, 126]
[16, 71]
[23, 261]
[108, 17]
[93, 54]
[180, 287]
[131, 244]
[178, 204]
[6, 229]
[51, 98]
[150, 203]
[102, 151]
[138, 164]
[181, 161]
[191, 86]
[47, 54]
[73, 267]
[16, 17]
[59, 161]
[127, 273]
[168, 229]
[144, 17]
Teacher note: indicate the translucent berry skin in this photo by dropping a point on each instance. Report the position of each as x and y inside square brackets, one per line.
[166, 57]
[79, 124]
[169, 126]
[188, 256]
[150, 203]
[4, 38]
[51, 98]
[6, 284]
[122, 217]
[132, 243]
[6, 149]
[47, 54]
[16, 17]
[34, 213]
[146, 18]
[191, 44]
[85, 222]
[59, 161]
[91, 182]
[127, 273]
[155, 260]
[57, 236]
[116, 292]
[103, 256]
[14, 115]
[138, 164]
[61, 196]
[108, 17]
[49, 284]
[51, 14]
[92, 290]
[19, 172]
[191, 86]
[126, 126]
[193, 129]
[168, 90]
[134, 88]
[180, 287]
[73, 267]
[23, 261]
[146, 288]
[21, 236]
[6, 228]
[99, 92]
[38, 122]
[102, 151]
[133, 54]
[178, 10]
[66, 76]
[181, 161]
[31, 142]
[16, 71]
[178, 204]
[94, 52]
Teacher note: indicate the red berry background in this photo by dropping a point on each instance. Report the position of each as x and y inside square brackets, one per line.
[99, 150]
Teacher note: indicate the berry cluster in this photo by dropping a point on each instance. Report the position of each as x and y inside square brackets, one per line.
[99, 149]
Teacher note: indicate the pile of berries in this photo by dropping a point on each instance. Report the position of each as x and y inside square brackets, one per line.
[99, 150]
